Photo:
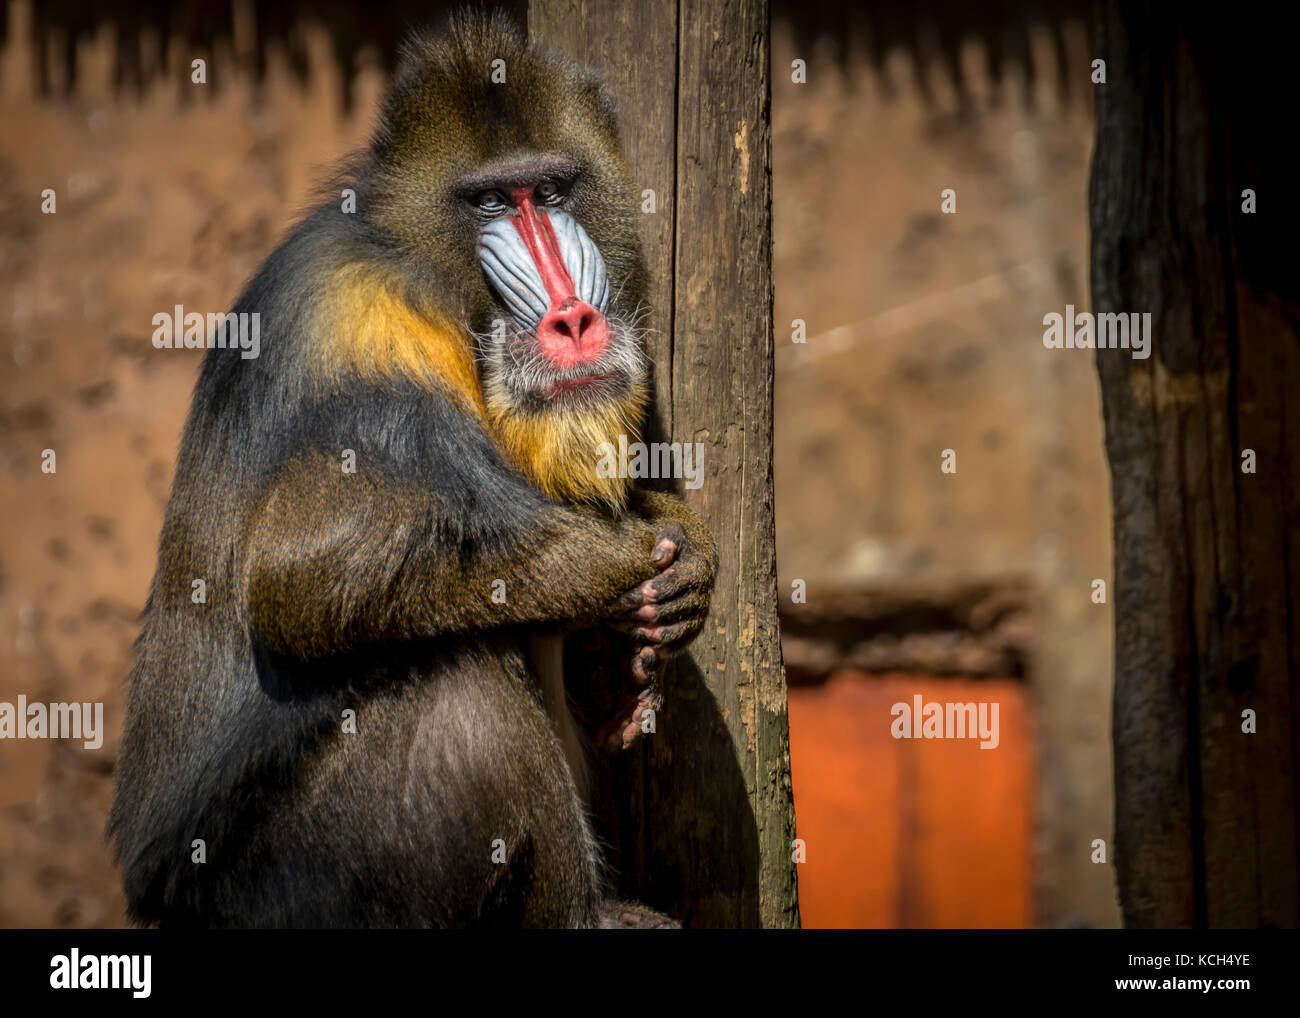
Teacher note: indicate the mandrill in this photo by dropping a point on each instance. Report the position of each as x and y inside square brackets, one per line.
[396, 513]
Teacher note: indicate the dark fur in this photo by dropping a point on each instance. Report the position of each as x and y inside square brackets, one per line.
[371, 591]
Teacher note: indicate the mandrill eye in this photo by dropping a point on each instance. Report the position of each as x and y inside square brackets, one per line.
[491, 201]
[548, 192]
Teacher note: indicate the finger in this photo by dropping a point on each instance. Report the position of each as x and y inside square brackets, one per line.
[631, 733]
[670, 530]
[687, 572]
[646, 615]
[669, 540]
[628, 603]
[610, 737]
[635, 605]
[645, 666]
[665, 552]
[669, 640]
[692, 603]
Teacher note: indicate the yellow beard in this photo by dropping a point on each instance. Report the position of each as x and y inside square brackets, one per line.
[558, 450]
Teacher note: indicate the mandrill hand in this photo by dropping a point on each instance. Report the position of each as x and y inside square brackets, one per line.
[608, 702]
[660, 616]
[663, 614]
[649, 624]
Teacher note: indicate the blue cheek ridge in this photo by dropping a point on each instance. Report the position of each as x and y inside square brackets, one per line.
[510, 270]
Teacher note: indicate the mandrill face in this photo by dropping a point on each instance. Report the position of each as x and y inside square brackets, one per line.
[557, 341]
[501, 185]
[562, 364]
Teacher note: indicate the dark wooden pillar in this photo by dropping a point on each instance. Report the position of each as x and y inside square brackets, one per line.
[705, 819]
[1194, 111]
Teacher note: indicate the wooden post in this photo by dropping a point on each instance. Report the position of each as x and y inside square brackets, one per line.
[705, 820]
[1204, 449]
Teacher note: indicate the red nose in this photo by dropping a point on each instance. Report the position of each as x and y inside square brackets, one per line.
[572, 333]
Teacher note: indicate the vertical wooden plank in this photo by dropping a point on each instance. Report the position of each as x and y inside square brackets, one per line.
[1153, 847]
[722, 396]
[1205, 560]
[706, 814]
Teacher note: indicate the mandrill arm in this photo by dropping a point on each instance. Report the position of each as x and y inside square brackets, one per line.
[331, 561]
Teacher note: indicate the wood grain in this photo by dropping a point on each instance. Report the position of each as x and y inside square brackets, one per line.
[705, 818]
[1206, 564]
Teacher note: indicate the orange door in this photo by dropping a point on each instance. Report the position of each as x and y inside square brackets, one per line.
[910, 832]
